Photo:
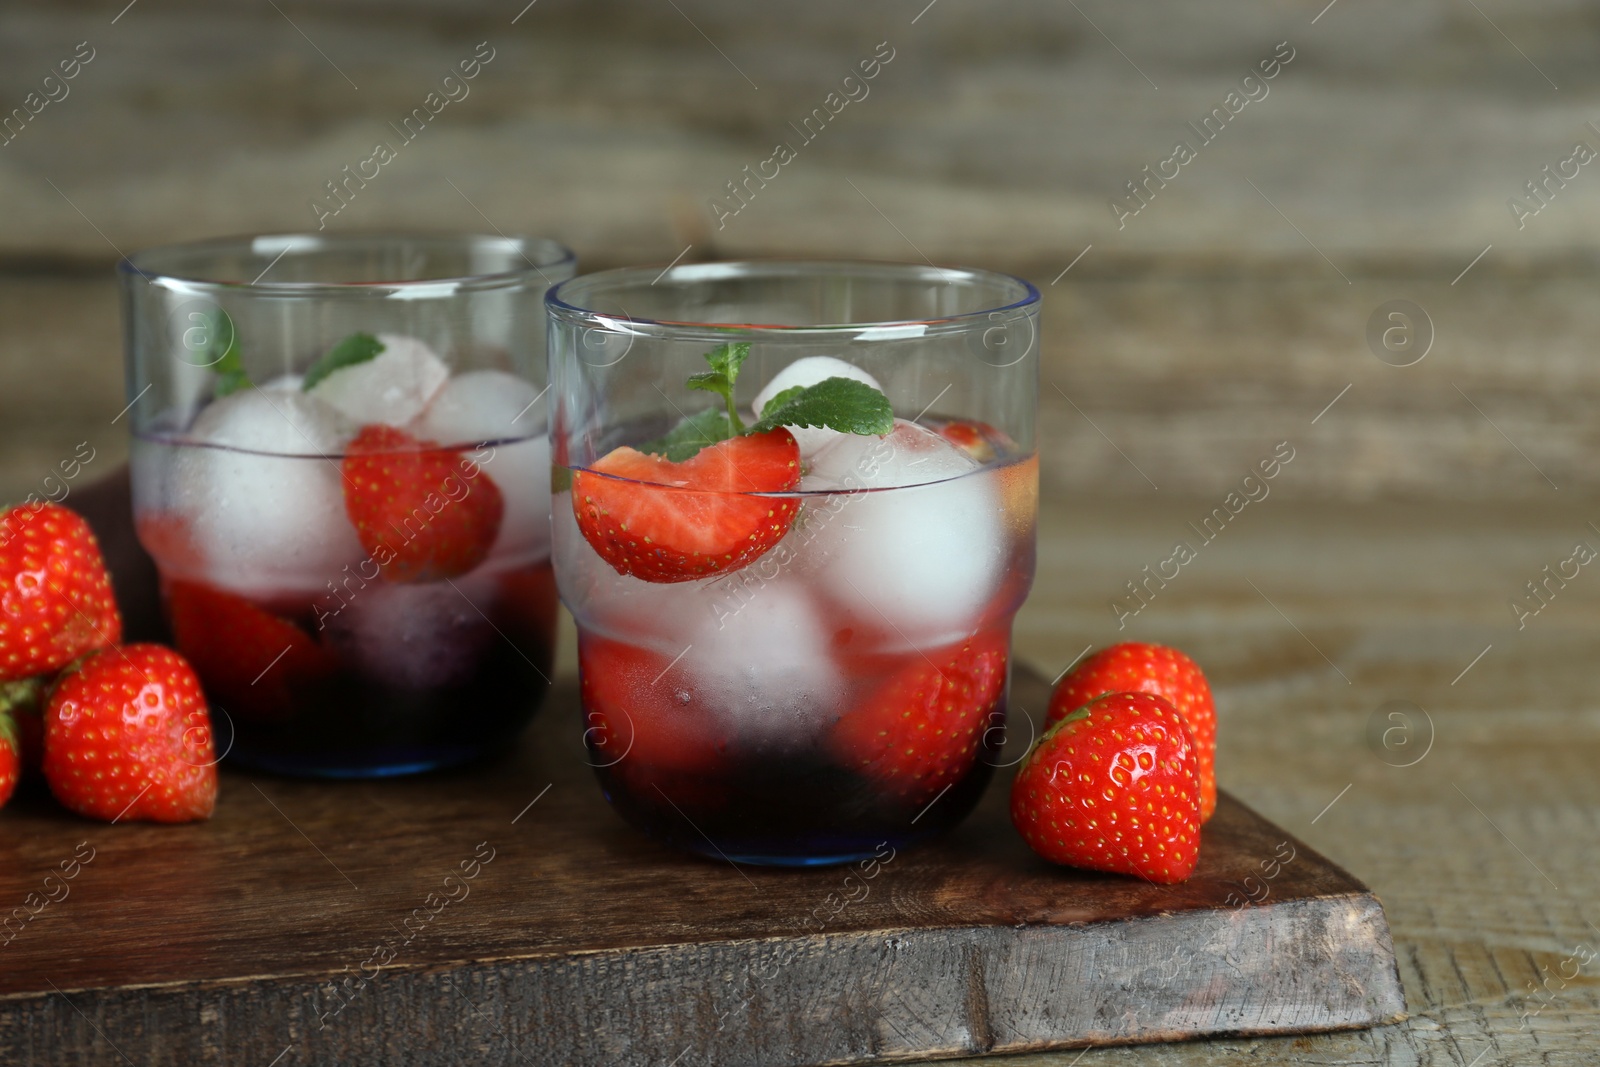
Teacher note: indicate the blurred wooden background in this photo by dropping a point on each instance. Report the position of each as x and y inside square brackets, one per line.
[1219, 320]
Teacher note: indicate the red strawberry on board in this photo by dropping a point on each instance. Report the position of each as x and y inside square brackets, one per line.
[55, 594]
[919, 731]
[10, 758]
[1167, 673]
[424, 513]
[128, 736]
[1113, 786]
[250, 661]
[675, 522]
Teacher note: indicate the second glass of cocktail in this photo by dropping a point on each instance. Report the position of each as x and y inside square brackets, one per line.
[341, 469]
[794, 518]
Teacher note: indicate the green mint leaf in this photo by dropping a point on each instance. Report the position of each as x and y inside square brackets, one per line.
[842, 404]
[727, 359]
[221, 354]
[357, 348]
[780, 399]
[712, 382]
[692, 434]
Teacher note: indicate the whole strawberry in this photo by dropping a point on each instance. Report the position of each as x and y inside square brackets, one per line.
[1113, 787]
[424, 513]
[55, 594]
[1133, 667]
[128, 736]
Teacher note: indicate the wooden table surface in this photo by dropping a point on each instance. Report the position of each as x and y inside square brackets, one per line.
[1474, 823]
[1311, 617]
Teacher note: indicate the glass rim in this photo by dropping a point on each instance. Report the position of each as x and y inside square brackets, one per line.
[559, 307]
[175, 265]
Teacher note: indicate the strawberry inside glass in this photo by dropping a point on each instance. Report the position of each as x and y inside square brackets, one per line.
[794, 570]
[345, 486]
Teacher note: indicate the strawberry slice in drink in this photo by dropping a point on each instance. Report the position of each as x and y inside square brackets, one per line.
[976, 439]
[250, 661]
[919, 731]
[424, 513]
[646, 730]
[662, 521]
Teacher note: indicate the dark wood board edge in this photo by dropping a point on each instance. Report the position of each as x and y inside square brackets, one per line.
[1324, 963]
[1327, 879]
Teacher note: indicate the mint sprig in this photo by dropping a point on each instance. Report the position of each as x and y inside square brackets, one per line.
[842, 404]
[221, 353]
[725, 362]
[357, 348]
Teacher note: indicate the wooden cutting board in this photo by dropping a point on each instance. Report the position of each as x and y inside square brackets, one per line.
[503, 914]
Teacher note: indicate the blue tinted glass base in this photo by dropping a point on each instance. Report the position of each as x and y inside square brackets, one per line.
[377, 764]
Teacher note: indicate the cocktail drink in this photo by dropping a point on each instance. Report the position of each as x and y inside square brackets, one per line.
[794, 517]
[340, 465]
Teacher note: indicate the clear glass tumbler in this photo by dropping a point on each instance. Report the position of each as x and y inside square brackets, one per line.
[341, 468]
[794, 516]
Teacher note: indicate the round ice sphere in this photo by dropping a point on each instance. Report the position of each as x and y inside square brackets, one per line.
[759, 656]
[416, 636]
[922, 543]
[482, 405]
[262, 493]
[910, 455]
[493, 406]
[392, 388]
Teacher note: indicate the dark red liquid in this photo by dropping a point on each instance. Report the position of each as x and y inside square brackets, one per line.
[824, 799]
[325, 709]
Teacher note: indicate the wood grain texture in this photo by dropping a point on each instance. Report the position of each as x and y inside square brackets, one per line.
[996, 134]
[503, 914]
[580, 942]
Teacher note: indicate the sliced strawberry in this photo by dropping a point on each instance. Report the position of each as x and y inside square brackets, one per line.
[634, 717]
[250, 660]
[976, 439]
[676, 522]
[919, 731]
[1135, 667]
[128, 736]
[423, 512]
[55, 592]
[1114, 786]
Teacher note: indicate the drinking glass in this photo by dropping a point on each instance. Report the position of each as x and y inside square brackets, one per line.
[818, 673]
[341, 468]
